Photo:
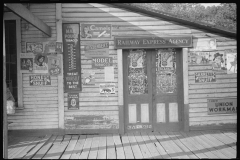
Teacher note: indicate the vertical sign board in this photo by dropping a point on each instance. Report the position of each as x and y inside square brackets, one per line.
[222, 106]
[73, 101]
[72, 61]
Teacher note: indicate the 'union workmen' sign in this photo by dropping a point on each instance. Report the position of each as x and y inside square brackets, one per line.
[153, 42]
[222, 106]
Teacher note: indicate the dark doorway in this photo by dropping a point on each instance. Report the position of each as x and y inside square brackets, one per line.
[11, 57]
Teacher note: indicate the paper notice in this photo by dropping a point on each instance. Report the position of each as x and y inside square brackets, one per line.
[109, 74]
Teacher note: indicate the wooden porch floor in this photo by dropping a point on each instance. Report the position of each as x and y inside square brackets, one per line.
[201, 144]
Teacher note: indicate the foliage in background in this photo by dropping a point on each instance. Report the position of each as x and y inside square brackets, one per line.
[223, 16]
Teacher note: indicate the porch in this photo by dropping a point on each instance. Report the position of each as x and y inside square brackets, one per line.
[198, 144]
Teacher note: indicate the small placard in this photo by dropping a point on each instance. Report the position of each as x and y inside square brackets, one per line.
[101, 62]
[222, 106]
[107, 88]
[97, 50]
[203, 77]
[73, 101]
[39, 80]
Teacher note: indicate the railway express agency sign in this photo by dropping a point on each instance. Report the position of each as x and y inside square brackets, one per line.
[222, 106]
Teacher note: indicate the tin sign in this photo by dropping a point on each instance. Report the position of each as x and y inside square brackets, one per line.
[222, 106]
[89, 31]
[73, 101]
[101, 62]
[97, 50]
[39, 80]
[202, 77]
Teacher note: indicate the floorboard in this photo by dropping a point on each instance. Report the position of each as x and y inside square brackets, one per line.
[119, 147]
[144, 150]
[78, 147]
[94, 148]
[68, 152]
[111, 153]
[86, 147]
[127, 147]
[134, 145]
[102, 147]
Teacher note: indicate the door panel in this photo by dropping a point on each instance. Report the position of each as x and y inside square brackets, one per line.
[153, 94]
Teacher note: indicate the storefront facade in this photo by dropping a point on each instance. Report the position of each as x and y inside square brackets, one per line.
[106, 69]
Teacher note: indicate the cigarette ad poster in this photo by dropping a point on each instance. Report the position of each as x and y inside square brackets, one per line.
[34, 47]
[204, 44]
[218, 61]
[88, 78]
[40, 64]
[54, 65]
[198, 58]
[97, 50]
[26, 61]
[231, 63]
[101, 31]
[73, 101]
[109, 74]
[203, 77]
[222, 106]
[107, 88]
[50, 48]
[101, 62]
[39, 80]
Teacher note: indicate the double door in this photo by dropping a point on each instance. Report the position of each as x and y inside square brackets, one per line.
[153, 89]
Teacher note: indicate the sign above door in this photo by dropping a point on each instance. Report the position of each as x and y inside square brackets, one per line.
[152, 42]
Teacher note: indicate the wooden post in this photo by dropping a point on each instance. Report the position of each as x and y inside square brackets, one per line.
[60, 77]
[5, 125]
[120, 91]
[185, 89]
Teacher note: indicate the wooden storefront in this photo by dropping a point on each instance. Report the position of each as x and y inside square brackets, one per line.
[111, 69]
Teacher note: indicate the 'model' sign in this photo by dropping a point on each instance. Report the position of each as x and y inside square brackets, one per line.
[153, 42]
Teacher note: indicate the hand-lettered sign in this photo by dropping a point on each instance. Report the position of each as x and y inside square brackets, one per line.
[222, 106]
[73, 101]
[203, 77]
[97, 50]
[72, 60]
[101, 62]
[89, 31]
[152, 42]
[39, 80]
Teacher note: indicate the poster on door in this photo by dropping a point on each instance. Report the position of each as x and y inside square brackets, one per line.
[231, 59]
[54, 65]
[73, 101]
[40, 64]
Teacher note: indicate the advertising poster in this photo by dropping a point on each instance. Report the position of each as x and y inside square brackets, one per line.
[34, 47]
[89, 31]
[59, 47]
[97, 50]
[71, 57]
[107, 88]
[26, 61]
[88, 78]
[40, 64]
[109, 74]
[231, 63]
[54, 65]
[73, 101]
[217, 59]
[101, 62]
[205, 44]
[40, 80]
[198, 58]
[203, 77]
[222, 106]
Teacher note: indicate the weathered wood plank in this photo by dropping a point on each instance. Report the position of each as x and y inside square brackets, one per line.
[111, 153]
[213, 122]
[144, 150]
[41, 153]
[135, 148]
[212, 85]
[40, 88]
[151, 147]
[227, 151]
[69, 150]
[102, 149]
[94, 148]
[78, 147]
[217, 90]
[86, 147]
[127, 147]
[230, 134]
[209, 117]
[39, 102]
[119, 147]
[160, 149]
[175, 136]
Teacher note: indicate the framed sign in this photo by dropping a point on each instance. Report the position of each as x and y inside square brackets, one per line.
[39, 80]
[222, 106]
[97, 50]
[72, 58]
[101, 62]
[73, 101]
[203, 77]
[101, 31]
